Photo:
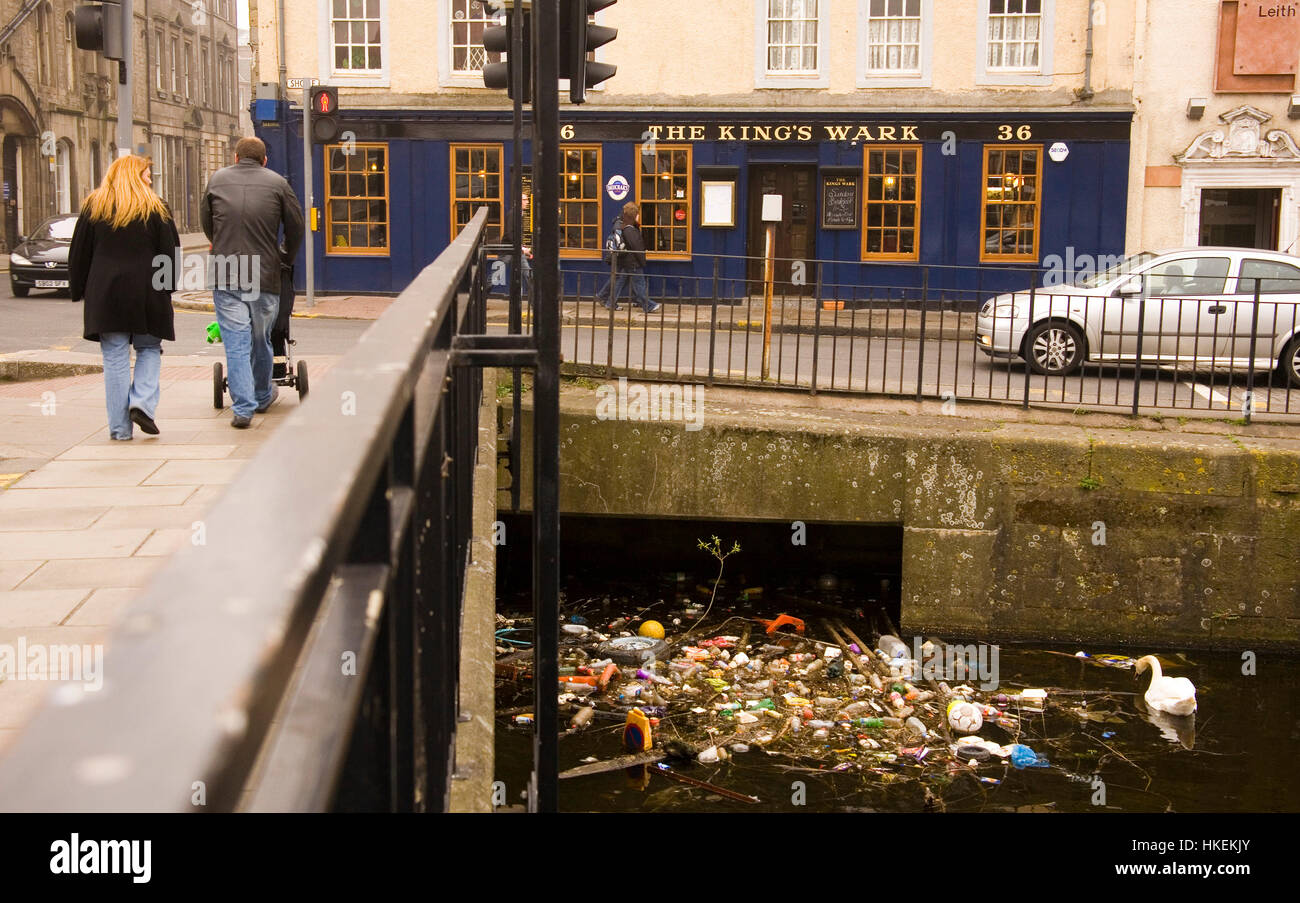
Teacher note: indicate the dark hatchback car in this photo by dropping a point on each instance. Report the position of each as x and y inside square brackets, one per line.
[41, 259]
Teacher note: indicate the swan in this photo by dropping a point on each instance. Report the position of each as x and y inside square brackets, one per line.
[1173, 695]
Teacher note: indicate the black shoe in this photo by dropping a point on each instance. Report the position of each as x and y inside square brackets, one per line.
[241, 423]
[609, 307]
[275, 393]
[144, 421]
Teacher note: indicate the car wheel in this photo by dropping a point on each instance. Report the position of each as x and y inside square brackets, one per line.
[1290, 363]
[20, 291]
[1054, 348]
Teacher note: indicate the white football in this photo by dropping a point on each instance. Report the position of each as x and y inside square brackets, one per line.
[965, 717]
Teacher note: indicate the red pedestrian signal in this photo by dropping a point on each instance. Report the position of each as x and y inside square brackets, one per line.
[325, 124]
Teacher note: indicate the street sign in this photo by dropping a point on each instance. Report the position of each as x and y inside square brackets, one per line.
[617, 188]
[301, 83]
[1059, 151]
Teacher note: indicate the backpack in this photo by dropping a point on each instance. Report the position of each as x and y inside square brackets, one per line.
[614, 244]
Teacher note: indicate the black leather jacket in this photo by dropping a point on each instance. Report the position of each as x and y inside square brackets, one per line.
[243, 209]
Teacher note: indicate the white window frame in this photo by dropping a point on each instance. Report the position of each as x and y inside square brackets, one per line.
[447, 76]
[347, 78]
[868, 78]
[765, 79]
[63, 177]
[1041, 76]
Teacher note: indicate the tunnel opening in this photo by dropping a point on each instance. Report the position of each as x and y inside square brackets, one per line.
[849, 566]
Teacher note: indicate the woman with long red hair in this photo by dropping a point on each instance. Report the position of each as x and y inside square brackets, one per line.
[116, 263]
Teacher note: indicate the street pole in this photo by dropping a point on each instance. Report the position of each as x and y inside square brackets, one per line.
[546, 404]
[126, 81]
[309, 245]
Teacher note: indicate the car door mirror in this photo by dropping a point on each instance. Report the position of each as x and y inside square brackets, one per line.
[1130, 288]
[22, 238]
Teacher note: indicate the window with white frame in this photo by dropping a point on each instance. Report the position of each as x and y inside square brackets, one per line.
[792, 45]
[356, 35]
[176, 65]
[894, 37]
[1015, 29]
[468, 19]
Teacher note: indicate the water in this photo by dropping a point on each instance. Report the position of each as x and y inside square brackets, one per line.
[1235, 755]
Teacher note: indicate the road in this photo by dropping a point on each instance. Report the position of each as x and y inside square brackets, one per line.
[46, 320]
[885, 365]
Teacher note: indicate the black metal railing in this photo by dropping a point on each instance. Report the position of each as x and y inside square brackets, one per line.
[1228, 347]
[316, 632]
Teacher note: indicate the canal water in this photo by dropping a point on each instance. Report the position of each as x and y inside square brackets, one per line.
[1104, 751]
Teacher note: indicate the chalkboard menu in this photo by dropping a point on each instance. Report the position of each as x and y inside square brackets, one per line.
[840, 202]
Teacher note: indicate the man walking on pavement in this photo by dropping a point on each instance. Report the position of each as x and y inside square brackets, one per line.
[630, 265]
[243, 209]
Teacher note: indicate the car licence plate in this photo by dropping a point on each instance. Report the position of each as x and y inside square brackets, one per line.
[51, 283]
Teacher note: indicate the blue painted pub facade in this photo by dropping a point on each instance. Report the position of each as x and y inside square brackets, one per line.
[874, 196]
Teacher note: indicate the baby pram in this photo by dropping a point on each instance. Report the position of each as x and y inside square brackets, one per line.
[283, 370]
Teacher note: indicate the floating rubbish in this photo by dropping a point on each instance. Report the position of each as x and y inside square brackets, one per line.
[1024, 757]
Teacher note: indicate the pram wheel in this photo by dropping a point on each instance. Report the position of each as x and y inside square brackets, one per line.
[302, 380]
[218, 386]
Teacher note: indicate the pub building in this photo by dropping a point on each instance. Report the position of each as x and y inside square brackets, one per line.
[977, 197]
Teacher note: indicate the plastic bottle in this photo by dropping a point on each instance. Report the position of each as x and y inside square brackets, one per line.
[581, 718]
[891, 722]
[868, 722]
[892, 647]
[820, 725]
[915, 726]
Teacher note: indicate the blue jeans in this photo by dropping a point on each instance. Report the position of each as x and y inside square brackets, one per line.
[640, 292]
[121, 390]
[246, 333]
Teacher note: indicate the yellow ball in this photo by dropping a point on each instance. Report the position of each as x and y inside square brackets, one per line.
[652, 629]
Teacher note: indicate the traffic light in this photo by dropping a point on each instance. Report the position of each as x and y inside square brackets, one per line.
[578, 37]
[325, 125]
[496, 39]
[99, 28]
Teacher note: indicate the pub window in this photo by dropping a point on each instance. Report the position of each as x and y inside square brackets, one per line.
[894, 36]
[1012, 200]
[1014, 34]
[356, 199]
[580, 226]
[891, 220]
[476, 182]
[357, 36]
[468, 19]
[663, 189]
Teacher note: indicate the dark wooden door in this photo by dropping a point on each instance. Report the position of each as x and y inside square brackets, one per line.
[796, 234]
[10, 197]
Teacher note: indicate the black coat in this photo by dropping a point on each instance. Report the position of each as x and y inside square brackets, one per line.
[634, 257]
[114, 271]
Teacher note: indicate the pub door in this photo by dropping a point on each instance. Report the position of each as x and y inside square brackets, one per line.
[796, 234]
[10, 197]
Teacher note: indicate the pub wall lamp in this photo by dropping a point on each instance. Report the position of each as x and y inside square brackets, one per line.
[1293, 107]
[1196, 107]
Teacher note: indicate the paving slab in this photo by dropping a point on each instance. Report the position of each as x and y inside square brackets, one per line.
[117, 496]
[161, 517]
[103, 572]
[204, 473]
[44, 607]
[30, 519]
[70, 474]
[71, 544]
[166, 450]
[13, 573]
[164, 542]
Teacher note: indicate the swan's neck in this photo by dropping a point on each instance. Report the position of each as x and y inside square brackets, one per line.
[1155, 668]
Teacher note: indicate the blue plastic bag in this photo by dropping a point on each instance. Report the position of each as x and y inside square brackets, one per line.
[1024, 757]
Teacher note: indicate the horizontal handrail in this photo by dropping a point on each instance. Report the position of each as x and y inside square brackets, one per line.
[202, 659]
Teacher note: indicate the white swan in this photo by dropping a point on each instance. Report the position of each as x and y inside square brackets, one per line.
[1174, 695]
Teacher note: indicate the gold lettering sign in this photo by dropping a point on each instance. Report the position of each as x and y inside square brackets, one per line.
[785, 132]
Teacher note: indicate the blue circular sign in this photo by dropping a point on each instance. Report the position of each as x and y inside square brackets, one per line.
[617, 188]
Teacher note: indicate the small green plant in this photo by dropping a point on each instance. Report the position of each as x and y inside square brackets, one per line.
[714, 548]
[1238, 421]
[1090, 483]
[1081, 412]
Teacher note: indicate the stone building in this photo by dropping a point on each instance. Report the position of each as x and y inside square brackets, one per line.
[58, 105]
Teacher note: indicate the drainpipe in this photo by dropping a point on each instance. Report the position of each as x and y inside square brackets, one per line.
[1086, 92]
[284, 67]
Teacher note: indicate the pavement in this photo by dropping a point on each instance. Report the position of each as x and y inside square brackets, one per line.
[86, 521]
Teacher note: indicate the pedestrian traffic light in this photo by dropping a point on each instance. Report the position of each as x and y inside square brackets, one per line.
[325, 125]
[496, 39]
[99, 28]
[578, 37]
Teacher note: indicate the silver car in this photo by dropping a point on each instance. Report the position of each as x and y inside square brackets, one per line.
[1193, 307]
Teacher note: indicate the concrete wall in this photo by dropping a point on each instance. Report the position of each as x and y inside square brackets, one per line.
[1201, 529]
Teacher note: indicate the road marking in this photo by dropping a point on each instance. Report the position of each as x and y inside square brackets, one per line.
[7, 478]
[1208, 394]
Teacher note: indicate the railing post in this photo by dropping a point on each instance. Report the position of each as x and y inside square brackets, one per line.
[1248, 404]
[1141, 337]
[817, 327]
[613, 302]
[920, 356]
[713, 319]
[1033, 286]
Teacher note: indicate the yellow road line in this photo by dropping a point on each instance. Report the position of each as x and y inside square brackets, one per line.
[7, 478]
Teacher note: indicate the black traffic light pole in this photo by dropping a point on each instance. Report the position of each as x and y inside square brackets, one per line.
[546, 404]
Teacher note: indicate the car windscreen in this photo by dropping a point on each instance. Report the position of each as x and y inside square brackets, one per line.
[1122, 268]
[56, 229]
